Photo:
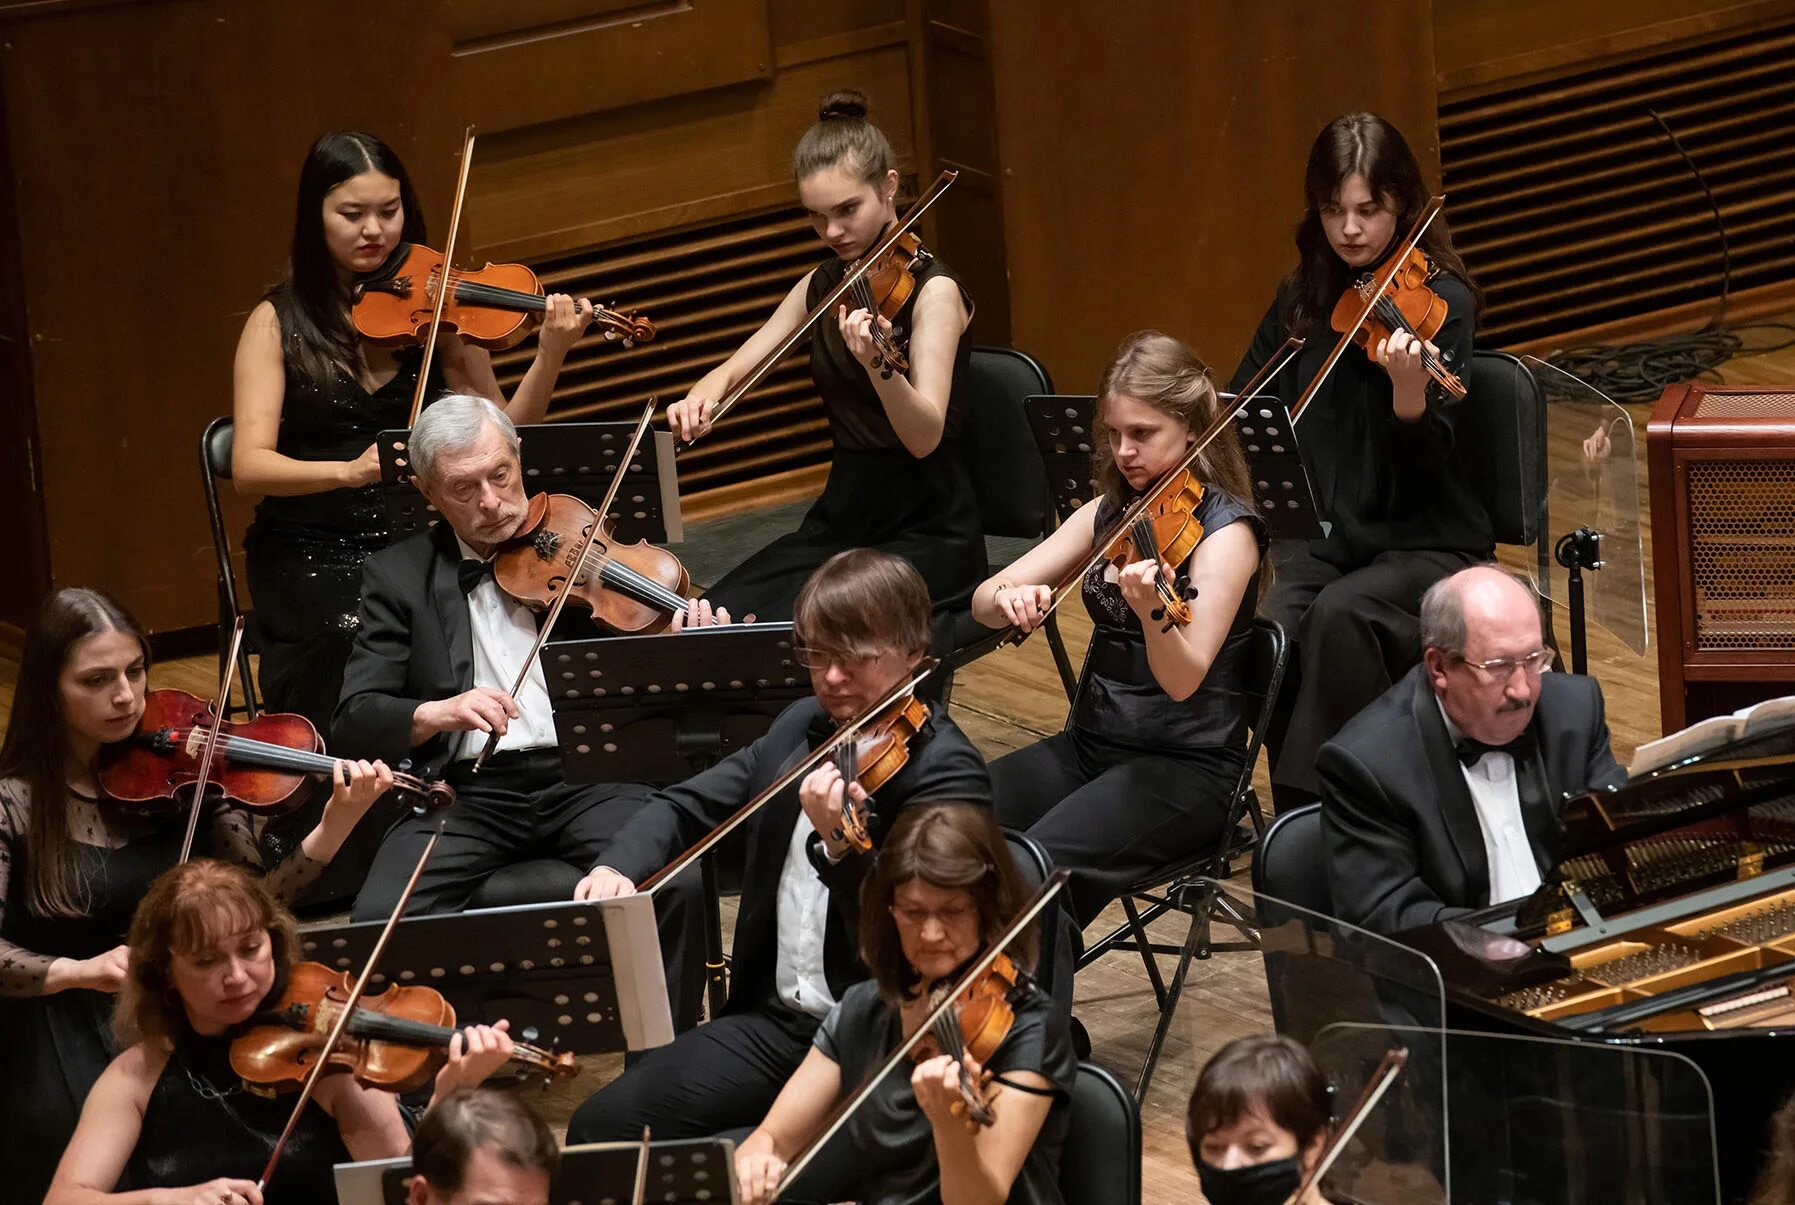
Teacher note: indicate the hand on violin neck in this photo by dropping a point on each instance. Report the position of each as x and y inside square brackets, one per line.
[699, 613]
[1403, 357]
[474, 1053]
[1139, 583]
[482, 709]
[564, 321]
[353, 789]
[936, 1083]
[857, 333]
[821, 795]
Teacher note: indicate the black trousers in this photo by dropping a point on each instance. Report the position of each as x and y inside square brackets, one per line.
[720, 1076]
[1112, 817]
[1353, 634]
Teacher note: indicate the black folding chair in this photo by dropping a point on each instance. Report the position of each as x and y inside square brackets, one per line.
[1101, 1161]
[215, 466]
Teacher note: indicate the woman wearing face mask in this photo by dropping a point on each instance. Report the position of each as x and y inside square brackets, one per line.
[1258, 1122]
[943, 884]
[72, 867]
[1378, 441]
[897, 481]
[169, 1119]
[312, 394]
[1142, 774]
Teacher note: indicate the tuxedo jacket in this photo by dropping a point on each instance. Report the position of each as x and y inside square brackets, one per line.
[943, 767]
[1404, 846]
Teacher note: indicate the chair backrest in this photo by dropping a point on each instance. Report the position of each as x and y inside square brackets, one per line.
[1061, 424]
[995, 441]
[1054, 961]
[215, 444]
[1500, 429]
[1101, 1162]
[1291, 864]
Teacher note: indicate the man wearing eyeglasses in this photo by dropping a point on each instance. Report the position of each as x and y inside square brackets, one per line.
[862, 626]
[1442, 796]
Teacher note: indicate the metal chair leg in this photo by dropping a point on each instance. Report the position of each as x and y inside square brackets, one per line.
[1168, 1007]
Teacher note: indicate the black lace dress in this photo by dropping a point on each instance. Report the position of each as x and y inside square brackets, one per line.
[878, 495]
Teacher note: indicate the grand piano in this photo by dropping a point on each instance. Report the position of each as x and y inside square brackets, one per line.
[1667, 924]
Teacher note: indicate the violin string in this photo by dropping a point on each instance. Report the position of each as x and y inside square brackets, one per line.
[628, 580]
[1393, 317]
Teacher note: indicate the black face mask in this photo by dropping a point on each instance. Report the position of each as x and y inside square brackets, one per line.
[1261, 1184]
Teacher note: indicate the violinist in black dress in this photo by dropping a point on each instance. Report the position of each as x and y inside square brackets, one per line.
[1378, 441]
[898, 481]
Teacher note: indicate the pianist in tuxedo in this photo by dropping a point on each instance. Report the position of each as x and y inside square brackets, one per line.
[1441, 797]
[432, 667]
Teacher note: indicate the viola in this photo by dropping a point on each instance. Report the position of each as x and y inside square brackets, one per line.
[977, 1024]
[877, 752]
[494, 307]
[883, 290]
[395, 1041]
[1167, 531]
[629, 588]
[1406, 304]
[258, 764]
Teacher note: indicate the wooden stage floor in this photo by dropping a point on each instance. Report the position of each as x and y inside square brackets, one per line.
[1013, 698]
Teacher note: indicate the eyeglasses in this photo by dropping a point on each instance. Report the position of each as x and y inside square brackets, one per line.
[1503, 668]
[849, 660]
[916, 918]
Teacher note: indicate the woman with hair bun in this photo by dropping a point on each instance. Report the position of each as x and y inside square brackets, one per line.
[897, 481]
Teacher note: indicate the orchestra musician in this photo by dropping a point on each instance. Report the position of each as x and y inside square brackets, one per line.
[437, 650]
[942, 886]
[862, 624]
[1377, 440]
[207, 945]
[1258, 1121]
[1441, 797]
[897, 481]
[73, 865]
[1142, 774]
[480, 1147]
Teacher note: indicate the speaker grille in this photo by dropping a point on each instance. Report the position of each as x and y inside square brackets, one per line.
[1745, 405]
[1742, 554]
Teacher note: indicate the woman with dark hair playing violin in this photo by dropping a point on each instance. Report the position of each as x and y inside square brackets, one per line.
[312, 394]
[1377, 439]
[1142, 774]
[73, 865]
[170, 1119]
[897, 481]
[942, 886]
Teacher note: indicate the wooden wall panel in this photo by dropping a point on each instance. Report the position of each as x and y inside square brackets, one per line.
[1152, 157]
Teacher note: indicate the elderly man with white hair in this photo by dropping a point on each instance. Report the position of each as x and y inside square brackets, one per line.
[1442, 796]
[430, 675]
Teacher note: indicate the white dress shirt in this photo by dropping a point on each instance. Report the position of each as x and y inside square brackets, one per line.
[798, 973]
[1496, 796]
[504, 631]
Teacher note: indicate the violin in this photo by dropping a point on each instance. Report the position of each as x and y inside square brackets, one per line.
[877, 752]
[395, 1041]
[1406, 304]
[1167, 532]
[494, 307]
[883, 290]
[629, 588]
[258, 764]
[977, 1024]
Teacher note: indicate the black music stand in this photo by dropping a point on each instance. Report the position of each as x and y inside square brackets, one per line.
[1281, 486]
[586, 977]
[658, 709]
[559, 458]
[687, 1171]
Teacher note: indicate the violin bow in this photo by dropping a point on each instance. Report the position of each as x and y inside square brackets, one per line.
[1387, 1070]
[639, 1194]
[854, 275]
[970, 976]
[846, 732]
[219, 702]
[579, 568]
[1140, 506]
[1385, 275]
[447, 285]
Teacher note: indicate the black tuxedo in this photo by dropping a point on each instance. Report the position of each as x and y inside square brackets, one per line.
[1404, 846]
[726, 1074]
[416, 645]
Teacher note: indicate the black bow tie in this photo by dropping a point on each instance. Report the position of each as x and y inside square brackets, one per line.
[1470, 749]
[471, 573]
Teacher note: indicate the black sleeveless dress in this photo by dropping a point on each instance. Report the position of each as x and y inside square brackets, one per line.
[1137, 780]
[878, 495]
[202, 1124]
[304, 553]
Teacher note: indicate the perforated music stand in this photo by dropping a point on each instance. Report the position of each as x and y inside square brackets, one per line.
[687, 1171]
[558, 458]
[657, 709]
[585, 977]
[1281, 488]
